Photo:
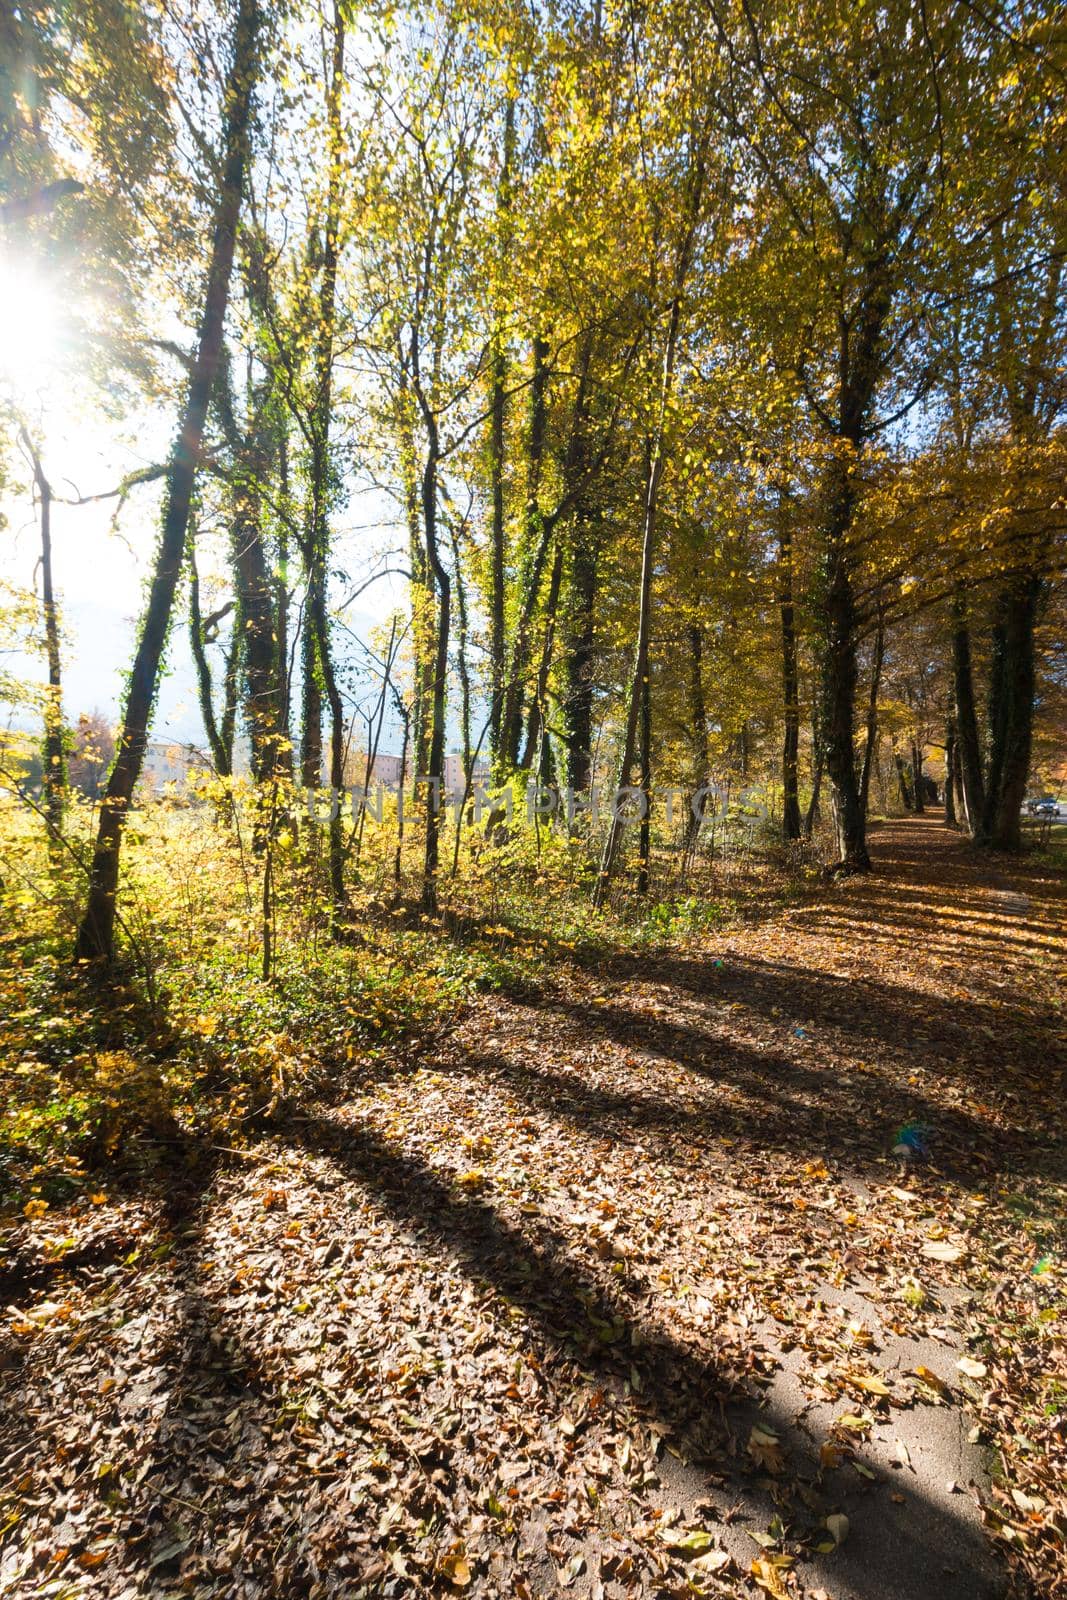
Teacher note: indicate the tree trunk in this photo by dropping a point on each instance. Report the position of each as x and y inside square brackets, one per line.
[838, 616]
[902, 780]
[96, 936]
[970, 754]
[950, 770]
[255, 591]
[53, 751]
[644, 783]
[871, 738]
[436, 765]
[537, 535]
[310, 693]
[638, 703]
[463, 668]
[422, 595]
[221, 747]
[497, 553]
[319, 533]
[536, 721]
[816, 788]
[790, 688]
[698, 741]
[281, 608]
[917, 777]
[580, 644]
[1011, 714]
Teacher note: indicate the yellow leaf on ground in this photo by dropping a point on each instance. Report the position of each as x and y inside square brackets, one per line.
[769, 1578]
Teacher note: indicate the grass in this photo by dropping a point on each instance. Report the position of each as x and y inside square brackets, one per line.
[188, 1044]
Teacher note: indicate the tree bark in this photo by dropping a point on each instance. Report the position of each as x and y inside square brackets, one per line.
[436, 765]
[816, 788]
[538, 532]
[917, 777]
[970, 754]
[790, 687]
[871, 737]
[53, 749]
[1013, 684]
[221, 747]
[950, 770]
[96, 936]
[255, 591]
[319, 533]
[536, 723]
[281, 607]
[838, 688]
[497, 554]
[698, 737]
[902, 780]
[638, 703]
[422, 593]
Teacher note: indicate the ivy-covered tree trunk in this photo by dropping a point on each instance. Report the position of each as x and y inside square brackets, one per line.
[537, 718]
[790, 689]
[537, 534]
[698, 740]
[497, 417]
[436, 764]
[96, 935]
[219, 730]
[422, 593]
[837, 610]
[902, 781]
[319, 650]
[871, 735]
[281, 608]
[638, 705]
[256, 597]
[310, 689]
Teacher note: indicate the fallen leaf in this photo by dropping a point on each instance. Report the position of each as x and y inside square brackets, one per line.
[456, 1568]
[837, 1523]
[972, 1368]
[698, 1540]
[941, 1250]
[933, 1382]
[764, 1448]
[768, 1577]
[872, 1385]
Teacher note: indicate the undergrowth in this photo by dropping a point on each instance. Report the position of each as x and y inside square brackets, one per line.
[186, 1043]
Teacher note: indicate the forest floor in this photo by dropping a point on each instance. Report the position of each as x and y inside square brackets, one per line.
[611, 1289]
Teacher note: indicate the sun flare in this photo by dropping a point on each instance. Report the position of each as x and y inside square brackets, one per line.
[32, 325]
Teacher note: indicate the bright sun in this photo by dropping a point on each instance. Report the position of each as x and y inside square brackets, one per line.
[32, 326]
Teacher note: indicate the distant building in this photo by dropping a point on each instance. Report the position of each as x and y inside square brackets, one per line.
[172, 763]
[455, 776]
[385, 769]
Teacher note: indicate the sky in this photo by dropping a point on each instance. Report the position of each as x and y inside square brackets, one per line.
[100, 569]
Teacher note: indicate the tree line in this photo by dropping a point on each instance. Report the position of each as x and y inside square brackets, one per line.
[712, 359]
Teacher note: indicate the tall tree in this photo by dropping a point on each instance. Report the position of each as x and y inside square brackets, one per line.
[96, 935]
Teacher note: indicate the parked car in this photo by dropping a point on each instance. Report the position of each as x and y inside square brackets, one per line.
[1042, 806]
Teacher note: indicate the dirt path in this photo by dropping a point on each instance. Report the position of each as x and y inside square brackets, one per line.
[616, 1293]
